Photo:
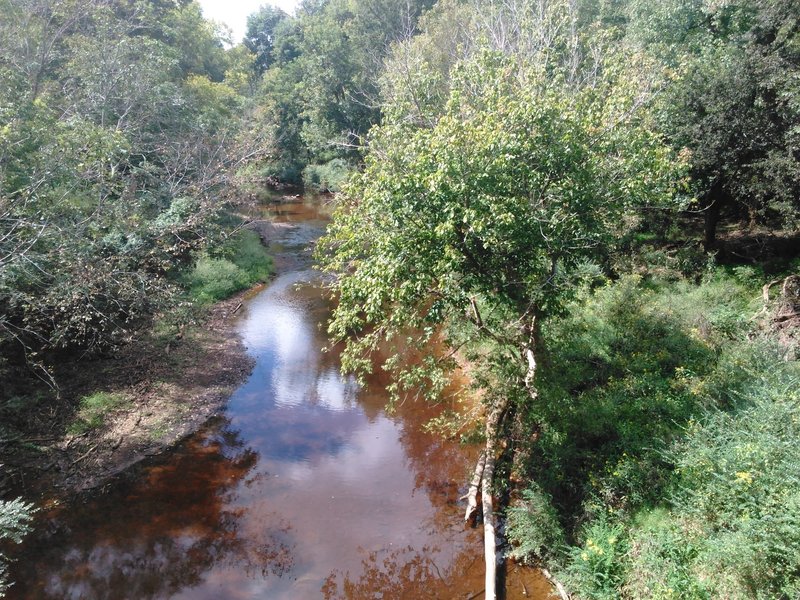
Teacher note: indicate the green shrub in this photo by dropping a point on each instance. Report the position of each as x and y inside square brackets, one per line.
[215, 278]
[618, 377]
[328, 177]
[661, 554]
[533, 526]
[93, 409]
[732, 526]
[15, 522]
[671, 426]
[248, 253]
[285, 169]
[238, 264]
[739, 483]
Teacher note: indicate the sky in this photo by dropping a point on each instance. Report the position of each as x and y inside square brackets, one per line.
[234, 12]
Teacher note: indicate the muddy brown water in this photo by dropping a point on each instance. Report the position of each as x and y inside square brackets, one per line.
[303, 488]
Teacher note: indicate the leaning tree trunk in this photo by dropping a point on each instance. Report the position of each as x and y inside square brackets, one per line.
[474, 486]
[483, 475]
[489, 521]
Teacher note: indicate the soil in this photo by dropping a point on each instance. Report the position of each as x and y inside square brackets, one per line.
[785, 318]
[170, 388]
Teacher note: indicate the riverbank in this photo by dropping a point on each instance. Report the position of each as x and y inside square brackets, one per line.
[161, 391]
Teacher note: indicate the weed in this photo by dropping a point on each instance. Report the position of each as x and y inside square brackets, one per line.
[93, 409]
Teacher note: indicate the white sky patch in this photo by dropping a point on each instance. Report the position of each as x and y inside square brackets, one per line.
[234, 13]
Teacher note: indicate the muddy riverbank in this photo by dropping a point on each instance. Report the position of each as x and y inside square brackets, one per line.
[168, 389]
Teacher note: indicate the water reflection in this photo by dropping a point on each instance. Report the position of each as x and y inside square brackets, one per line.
[305, 489]
[156, 536]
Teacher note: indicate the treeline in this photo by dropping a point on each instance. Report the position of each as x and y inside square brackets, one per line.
[121, 126]
[320, 86]
[725, 75]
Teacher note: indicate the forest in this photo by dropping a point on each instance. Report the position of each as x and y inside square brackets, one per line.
[590, 207]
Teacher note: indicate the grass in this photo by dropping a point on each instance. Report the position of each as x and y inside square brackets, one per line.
[93, 409]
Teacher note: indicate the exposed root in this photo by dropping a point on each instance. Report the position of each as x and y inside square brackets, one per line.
[562, 592]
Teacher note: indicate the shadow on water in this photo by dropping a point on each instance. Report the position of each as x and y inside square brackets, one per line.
[305, 488]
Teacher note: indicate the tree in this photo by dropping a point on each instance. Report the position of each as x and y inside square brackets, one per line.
[473, 230]
[734, 104]
[261, 34]
[197, 42]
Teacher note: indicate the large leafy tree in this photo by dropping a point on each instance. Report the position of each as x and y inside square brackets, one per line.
[734, 103]
[261, 34]
[479, 224]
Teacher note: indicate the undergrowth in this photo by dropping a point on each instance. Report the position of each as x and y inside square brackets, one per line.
[239, 263]
[92, 411]
[667, 464]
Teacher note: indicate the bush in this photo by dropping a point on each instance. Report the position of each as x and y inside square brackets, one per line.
[618, 378]
[671, 426]
[285, 169]
[15, 522]
[239, 264]
[661, 553]
[739, 485]
[329, 177]
[249, 254]
[533, 525]
[732, 526]
[596, 568]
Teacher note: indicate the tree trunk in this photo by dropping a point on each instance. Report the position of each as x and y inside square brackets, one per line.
[718, 197]
[474, 486]
[489, 537]
[710, 226]
[489, 522]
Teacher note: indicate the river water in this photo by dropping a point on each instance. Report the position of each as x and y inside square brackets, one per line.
[303, 488]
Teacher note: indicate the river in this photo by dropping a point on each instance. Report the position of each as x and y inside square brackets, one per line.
[304, 487]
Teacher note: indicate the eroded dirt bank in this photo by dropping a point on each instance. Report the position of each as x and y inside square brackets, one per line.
[167, 391]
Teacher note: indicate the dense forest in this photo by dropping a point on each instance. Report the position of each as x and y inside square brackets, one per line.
[589, 206]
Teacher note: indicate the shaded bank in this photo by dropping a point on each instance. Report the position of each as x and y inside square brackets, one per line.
[168, 391]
